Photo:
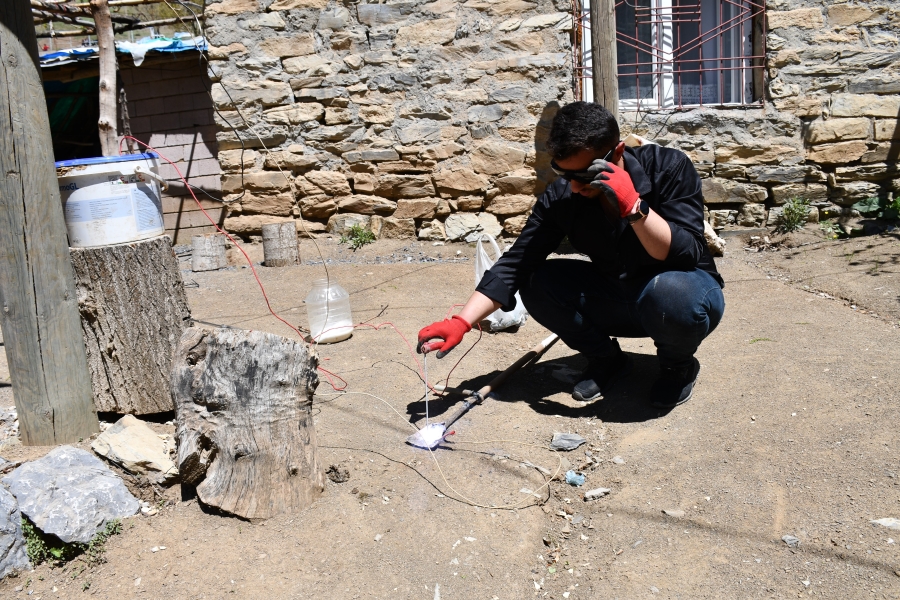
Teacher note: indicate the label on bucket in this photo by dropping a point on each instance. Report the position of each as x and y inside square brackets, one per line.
[114, 207]
[147, 208]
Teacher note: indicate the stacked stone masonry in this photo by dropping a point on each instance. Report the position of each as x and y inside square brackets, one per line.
[410, 118]
[428, 119]
[828, 131]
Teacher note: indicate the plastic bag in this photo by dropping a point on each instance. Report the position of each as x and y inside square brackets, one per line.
[499, 319]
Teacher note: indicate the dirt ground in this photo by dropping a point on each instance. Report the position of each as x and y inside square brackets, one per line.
[792, 430]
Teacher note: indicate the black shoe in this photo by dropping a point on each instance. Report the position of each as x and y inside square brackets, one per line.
[601, 374]
[675, 386]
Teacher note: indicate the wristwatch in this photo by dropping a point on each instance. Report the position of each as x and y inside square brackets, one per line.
[643, 210]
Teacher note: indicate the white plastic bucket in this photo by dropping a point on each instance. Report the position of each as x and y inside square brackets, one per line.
[108, 200]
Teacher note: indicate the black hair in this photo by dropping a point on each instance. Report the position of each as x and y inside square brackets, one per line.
[580, 126]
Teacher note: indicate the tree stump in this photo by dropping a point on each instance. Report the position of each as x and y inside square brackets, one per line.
[208, 252]
[133, 312]
[245, 432]
[280, 244]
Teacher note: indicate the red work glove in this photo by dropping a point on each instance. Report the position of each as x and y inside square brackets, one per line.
[616, 185]
[451, 331]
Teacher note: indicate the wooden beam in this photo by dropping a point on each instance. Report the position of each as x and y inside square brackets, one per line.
[109, 138]
[604, 60]
[38, 307]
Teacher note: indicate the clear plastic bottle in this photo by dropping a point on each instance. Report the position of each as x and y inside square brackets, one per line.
[328, 311]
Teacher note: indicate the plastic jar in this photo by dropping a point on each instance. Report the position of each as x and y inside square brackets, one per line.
[328, 311]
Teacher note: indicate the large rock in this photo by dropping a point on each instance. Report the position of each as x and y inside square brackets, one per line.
[293, 4]
[286, 47]
[417, 134]
[71, 494]
[330, 182]
[485, 114]
[404, 186]
[267, 93]
[723, 191]
[263, 181]
[837, 130]
[839, 153]
[433, 231]
[366, 205]
[374, 155]
[423, 208]
[865, 105]
[318, 206]
[522, 181]
[790, 174]
[459, 182]
[804, 18]
[459, 225]
[493, 159]
[887, 130]
[340, 224]
[426, 33]
[752, 215]
[381, 115]
[393, 228]
[507, 206]
[13, 557]
[268, 204]
[443, 151]
[814, 192]
[542, 21]
[489, 224]
[131, 444]
[514, 225]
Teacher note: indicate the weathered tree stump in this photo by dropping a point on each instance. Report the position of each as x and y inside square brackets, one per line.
[208, 252]
[280, 244]
[133, 312]
[245, 432]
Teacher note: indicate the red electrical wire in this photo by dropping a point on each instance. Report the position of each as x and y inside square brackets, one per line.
[328, 374]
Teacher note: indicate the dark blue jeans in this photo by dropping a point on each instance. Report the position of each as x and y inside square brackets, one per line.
[676, 309]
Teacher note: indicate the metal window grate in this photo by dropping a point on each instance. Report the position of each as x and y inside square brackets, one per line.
[680, 53]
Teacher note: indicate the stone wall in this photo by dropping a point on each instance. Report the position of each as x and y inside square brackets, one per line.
[829, 130]
[428, 119]
[170, 109]
[417, 119]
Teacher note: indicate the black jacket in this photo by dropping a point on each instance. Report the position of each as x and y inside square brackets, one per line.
[664, 177]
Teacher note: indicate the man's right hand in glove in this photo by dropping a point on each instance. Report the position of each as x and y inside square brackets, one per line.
[449, 332]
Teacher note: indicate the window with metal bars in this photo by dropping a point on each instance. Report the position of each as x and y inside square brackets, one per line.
[682, 53]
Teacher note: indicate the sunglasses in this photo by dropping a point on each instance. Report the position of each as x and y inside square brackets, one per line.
[579, 176]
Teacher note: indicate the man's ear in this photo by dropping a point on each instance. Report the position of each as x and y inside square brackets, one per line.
[620, 150]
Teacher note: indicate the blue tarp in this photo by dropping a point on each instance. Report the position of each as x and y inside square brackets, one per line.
[137, 50]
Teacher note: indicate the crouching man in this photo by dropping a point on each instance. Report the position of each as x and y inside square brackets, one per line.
[637, 213]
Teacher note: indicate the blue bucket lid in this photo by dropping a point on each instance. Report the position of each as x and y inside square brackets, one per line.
[105, 160]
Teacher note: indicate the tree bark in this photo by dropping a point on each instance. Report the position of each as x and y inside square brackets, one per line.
[208, 252]
[38, 310]
[133, 312]
[604, 58]
[280, 244]
[245, 433]
[106, 41]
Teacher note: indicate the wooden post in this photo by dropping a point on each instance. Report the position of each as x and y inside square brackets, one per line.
[109, 138]
[38, 306]
[280, 244]
[208, 252]
[604, 61]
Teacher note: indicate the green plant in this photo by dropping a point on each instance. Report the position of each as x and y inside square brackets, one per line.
[794, 214]
[754, 340]
[43, 547]
[832, 230]
[357, 237]
[879, 208]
